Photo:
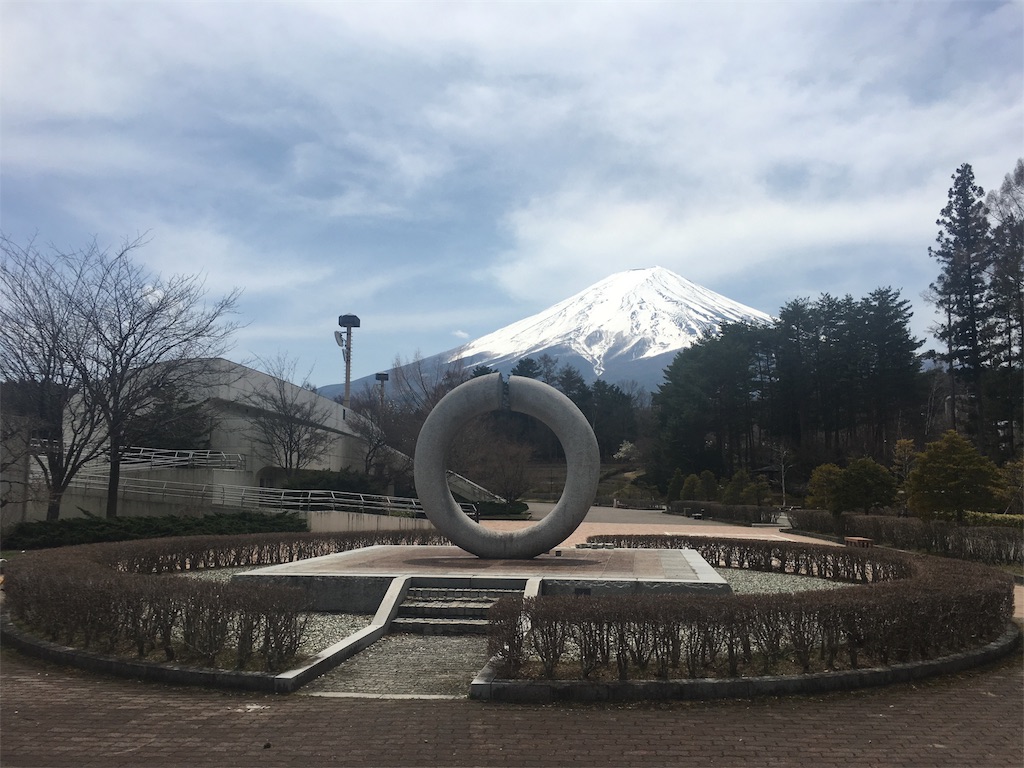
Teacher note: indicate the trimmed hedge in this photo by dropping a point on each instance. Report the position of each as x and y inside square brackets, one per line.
[500, 508]
[910, 608]
[729, 513]
[116, 597]
[992, 545]
[44, 534]
[993, 519]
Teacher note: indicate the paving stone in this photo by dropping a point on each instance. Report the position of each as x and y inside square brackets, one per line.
[52, 716]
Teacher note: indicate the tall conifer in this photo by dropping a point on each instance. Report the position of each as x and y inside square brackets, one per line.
[964, 252]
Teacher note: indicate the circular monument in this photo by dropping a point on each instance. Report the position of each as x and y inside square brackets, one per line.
[522, 395]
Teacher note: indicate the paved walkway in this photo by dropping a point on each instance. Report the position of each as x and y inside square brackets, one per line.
[407, 665]
[53, 716]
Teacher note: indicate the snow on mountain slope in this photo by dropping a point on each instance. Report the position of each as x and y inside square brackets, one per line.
[625, 329]
[634, 315]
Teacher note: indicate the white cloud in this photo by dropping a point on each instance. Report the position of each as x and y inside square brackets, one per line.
[404, 156]
[570, 240]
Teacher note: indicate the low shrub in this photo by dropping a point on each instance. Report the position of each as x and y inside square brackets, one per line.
[44, 534]
[500, 509]
[729, 513]
[991, 545]
[910, 607]
[813, 521]
[346, 480]
[117, 597]
[990, 519]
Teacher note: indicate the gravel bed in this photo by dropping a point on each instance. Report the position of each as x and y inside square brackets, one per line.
[216, 574]
[759, 582]
[410, 665]
[326, 629]
[322, 629]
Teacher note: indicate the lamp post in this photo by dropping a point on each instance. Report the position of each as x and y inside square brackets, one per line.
[382, 379]
[348, 322]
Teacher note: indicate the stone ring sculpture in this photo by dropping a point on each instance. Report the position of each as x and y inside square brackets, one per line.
[523, 395]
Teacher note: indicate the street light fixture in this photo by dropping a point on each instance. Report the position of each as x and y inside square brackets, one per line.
[348, 322]
[382, 380]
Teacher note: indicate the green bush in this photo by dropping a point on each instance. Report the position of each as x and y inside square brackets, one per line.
[994, 520]
[950, 477]
[727, 513]
[501, 509]
[346, 481]
[91, 530]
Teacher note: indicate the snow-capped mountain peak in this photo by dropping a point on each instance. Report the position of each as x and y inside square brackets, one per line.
[628, 316]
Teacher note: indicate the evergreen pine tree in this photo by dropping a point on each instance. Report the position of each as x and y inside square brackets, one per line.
[964, 253]
[1005, 300]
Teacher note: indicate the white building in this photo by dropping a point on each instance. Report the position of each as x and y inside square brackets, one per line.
[155, 482]
[231, 394]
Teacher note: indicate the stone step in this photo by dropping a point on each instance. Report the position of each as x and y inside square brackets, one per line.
[436, 626]
[441, 609]
[459, 594]
[447, 610]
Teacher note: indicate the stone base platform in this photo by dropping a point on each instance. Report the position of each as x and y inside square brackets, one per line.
[357, 581]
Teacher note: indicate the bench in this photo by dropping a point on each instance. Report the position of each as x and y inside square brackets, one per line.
[858, 541]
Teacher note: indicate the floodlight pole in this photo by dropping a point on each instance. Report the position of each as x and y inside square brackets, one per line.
[382, 379]
[348, 322]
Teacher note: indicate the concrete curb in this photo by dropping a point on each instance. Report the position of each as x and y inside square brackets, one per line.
[344, 650]
[177, 674]
[486, 687]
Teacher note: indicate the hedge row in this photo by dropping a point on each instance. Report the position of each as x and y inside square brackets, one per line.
[913, 610]
[818, 560]
[157, 556]
[994, 519]
[992, 545]
[730, 513]
[108, 597]
[44, 534]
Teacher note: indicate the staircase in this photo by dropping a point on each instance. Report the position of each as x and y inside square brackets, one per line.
[447, 610]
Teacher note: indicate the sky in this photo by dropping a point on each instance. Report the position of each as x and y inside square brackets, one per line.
[442, 170]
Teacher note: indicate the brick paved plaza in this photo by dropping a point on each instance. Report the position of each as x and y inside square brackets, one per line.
[54, 716]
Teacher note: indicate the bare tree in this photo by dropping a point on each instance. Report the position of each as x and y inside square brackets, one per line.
[103, 337]
[291, 421]
[16, 487]
[44, 414]
[504, 469]
[415, 387]
[418, 385]
[377, 420]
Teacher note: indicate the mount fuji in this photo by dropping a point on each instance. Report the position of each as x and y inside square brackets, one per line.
[627, 327]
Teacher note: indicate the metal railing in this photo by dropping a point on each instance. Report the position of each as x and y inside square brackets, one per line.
[250, 497]
[134, 457]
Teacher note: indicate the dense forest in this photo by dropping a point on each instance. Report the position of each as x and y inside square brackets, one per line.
[837, 379]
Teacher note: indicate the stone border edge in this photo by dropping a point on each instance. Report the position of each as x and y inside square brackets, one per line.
[486, 686]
